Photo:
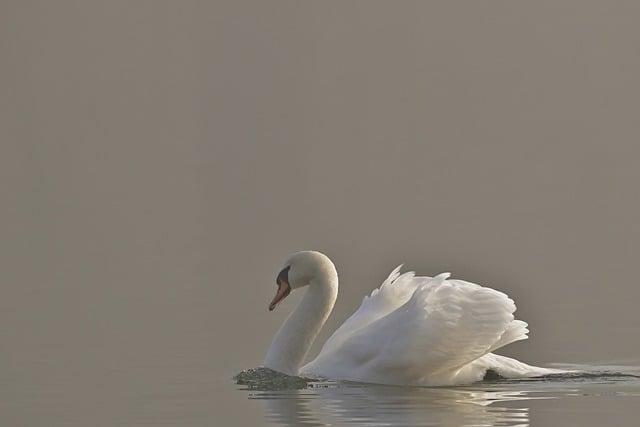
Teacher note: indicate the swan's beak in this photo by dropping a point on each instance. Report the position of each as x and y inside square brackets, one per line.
[283, 288]
[283, 291]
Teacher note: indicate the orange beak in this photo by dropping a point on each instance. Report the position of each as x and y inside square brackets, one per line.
[283, 288]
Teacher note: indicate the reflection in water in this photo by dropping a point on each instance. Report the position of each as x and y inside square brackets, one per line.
[384, 406]
[292, 401]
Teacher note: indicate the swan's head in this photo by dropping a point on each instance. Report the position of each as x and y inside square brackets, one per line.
[298, 271]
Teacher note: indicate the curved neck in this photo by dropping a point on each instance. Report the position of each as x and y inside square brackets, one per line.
[292, 342]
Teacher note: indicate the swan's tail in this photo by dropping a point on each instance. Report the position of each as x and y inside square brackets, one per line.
[512, 368]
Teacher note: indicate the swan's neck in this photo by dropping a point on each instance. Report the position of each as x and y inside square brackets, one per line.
[291, 344]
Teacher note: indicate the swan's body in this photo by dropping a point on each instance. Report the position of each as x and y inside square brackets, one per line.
[410, 331]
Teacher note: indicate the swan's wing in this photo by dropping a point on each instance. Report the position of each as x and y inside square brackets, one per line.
[444, 325]
[395, 291]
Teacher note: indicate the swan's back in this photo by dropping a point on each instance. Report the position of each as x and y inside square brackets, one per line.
[420, 330]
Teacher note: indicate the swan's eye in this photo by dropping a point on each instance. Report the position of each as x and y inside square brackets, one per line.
[283, 276]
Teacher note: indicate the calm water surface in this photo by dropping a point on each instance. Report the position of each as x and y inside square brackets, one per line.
[191, 394]
[606, 394]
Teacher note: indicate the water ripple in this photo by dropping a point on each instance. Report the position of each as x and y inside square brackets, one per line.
[293, 401]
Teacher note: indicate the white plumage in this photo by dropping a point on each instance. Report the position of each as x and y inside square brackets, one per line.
[411, 330]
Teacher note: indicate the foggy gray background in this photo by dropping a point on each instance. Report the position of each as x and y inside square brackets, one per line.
[160, 159]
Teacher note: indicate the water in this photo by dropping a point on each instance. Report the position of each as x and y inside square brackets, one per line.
[573, 399]
[190, 394]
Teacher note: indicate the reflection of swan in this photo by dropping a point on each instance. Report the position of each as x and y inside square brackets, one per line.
[412, 330]
[384, 406]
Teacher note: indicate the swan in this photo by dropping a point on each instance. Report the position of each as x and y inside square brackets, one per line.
[412, 330]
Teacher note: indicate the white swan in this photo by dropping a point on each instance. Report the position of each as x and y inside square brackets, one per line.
[410, 331]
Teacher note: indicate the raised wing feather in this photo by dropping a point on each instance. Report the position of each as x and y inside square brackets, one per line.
[444, 325]
[395, 291]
